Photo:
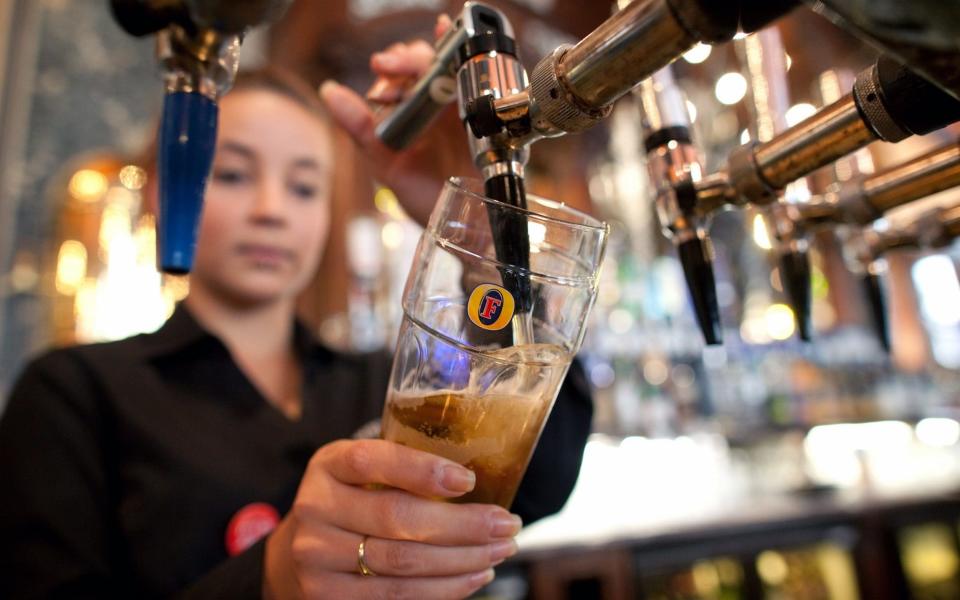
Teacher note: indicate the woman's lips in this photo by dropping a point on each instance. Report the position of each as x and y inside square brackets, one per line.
[266, 255]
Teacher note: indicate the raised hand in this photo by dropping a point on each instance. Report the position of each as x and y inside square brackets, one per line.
[416, 174]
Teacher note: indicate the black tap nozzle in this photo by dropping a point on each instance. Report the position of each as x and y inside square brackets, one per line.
[697, 266]
[795, 277]
[510, 237]
[873, 290]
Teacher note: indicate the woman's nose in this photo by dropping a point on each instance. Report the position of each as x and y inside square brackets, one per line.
[269, 205]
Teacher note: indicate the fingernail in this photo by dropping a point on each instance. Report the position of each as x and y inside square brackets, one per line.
[505, 525]
[376, 91]
[385, 60]
[458, 479]
[481, 578]
[502, 550]
[327, 86]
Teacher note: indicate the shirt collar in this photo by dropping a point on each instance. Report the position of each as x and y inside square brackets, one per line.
[182, 330]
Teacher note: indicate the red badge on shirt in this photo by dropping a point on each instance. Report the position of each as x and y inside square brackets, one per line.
[249, 525]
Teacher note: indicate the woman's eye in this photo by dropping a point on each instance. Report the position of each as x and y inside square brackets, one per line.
[230, 176]
[303, 190]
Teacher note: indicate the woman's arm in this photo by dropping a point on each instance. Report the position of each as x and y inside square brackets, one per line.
[56, 528]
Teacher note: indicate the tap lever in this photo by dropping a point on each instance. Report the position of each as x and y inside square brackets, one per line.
[795, 277]
[436, 89]
[187, 139]
[873, 290]
[696, 259]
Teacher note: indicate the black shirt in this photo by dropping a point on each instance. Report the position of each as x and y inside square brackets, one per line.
[122, 463]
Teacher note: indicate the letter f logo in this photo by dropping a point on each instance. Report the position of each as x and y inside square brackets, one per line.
[490, 307]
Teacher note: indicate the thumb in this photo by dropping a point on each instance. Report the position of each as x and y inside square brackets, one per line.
[349, 111]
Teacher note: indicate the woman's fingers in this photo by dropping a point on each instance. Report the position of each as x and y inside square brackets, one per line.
[412, 559]
[414, 588]
[362, 462]
[399, 515]
[333, 549]
[405, 60]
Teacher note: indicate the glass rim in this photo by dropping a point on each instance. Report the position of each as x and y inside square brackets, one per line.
[591, 223]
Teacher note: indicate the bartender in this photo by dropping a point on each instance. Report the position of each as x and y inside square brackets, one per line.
[213, 458]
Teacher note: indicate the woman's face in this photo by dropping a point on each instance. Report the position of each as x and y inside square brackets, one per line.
[266, 213]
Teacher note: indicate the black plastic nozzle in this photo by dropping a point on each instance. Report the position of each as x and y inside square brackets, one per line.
[795, 277]
[510, 237]
[873, 290]
[698, 271]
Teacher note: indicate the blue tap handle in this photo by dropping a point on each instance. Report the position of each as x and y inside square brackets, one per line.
[188, 135]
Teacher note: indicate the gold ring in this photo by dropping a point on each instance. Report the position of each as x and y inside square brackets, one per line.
[361, 552]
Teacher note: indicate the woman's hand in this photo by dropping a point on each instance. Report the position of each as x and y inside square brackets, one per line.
[417, 546]
[416, 174]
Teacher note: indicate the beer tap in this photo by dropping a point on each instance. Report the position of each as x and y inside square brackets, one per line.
[934, 229]
[676, 170]
[198, 44]
[766, 63]
[880, 106]
[477, 58]
[862, 202]
[858, 203]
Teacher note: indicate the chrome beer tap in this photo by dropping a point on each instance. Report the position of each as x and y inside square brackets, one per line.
[676, 170]
[198, 45]
[477, 58]
[936, 228]
[862, 202]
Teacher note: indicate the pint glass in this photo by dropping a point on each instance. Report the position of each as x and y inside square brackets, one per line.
[486, 342]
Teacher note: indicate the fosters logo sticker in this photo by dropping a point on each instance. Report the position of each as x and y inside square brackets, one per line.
[490, 307]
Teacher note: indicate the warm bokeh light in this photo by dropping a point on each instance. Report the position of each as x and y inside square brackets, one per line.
[71, 266]
[133, 177]
[938, 431]
[697, 54]
[730, 88]
[386, 202]
[799, 112]
[779, 322]
[88, 185]
[656, 372]
[392, 235]
[760, 235]
[772, 567]
[114, 224]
